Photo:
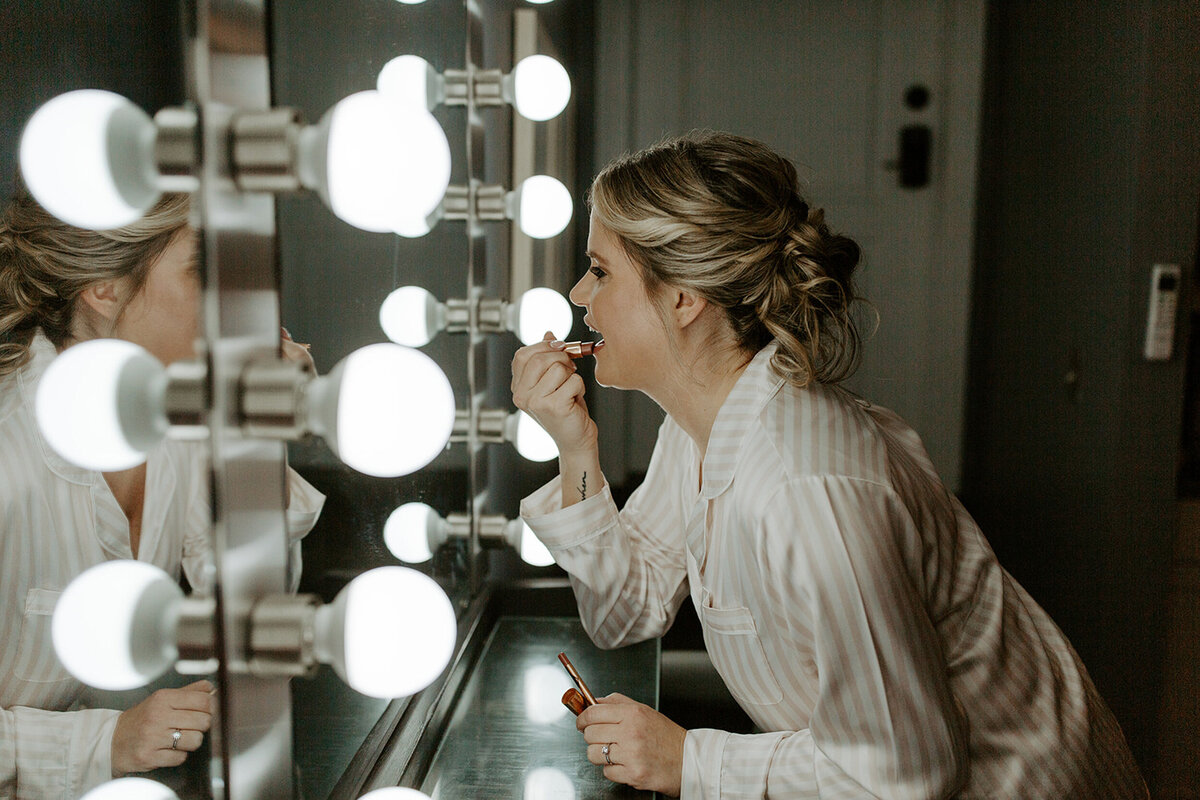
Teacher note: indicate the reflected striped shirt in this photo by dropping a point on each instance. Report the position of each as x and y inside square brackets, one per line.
[849, 603]
[56, 520]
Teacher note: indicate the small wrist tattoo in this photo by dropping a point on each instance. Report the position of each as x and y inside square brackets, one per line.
[583, 487]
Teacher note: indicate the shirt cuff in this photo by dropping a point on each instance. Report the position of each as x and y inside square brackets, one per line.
[561, 528]
[703, 751]
[304, 506]
[90, 760]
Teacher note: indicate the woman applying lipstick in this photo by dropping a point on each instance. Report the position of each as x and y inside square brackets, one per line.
[849, 602]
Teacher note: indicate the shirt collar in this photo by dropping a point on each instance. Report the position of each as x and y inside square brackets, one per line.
[757, 384]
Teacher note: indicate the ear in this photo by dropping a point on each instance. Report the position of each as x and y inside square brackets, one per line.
[103, 299]
[688, 308]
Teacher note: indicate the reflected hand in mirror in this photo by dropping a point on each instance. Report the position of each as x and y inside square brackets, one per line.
[163, 729]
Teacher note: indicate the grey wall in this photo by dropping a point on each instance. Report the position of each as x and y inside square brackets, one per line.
[48, 47]
[1090, 174]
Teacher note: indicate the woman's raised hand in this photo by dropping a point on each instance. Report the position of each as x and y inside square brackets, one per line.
[145, 735]
[547, 387]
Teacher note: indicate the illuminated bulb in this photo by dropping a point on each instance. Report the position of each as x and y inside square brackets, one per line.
[395, 792]
[385, 410]
[101, 404]
[412, 3]
[389, 633]
[541, 206]
[132, 789]
[532, 551]
[379, 165]
[541, 88]
[411, 81]
[87, 157]
[531, 439]
[540, 310]
[413, 532]
[114, 625]
[412, 316]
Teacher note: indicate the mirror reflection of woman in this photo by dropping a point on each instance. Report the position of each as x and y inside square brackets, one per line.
[61, 285]
[849, 602]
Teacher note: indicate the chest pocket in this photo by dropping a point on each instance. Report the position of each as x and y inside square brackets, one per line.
[36, 661]
[734, 647]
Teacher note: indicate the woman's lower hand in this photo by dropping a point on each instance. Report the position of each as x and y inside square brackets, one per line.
[547, 387]
[645, 749]
[145, 738]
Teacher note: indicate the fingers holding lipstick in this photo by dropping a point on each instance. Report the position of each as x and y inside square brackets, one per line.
[546, 386]
[645, 748]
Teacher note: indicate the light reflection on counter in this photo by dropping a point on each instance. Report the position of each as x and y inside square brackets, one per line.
[544, 687]
[548, 783]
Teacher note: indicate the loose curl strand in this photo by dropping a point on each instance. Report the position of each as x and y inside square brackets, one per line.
[722, 216]
[46, 264]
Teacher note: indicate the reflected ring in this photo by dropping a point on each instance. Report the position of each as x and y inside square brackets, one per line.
[176, 735]
[607, 758]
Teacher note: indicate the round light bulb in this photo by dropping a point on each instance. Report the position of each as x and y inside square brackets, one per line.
[532, 441]
[395, 792]
[411, 532]
[410, 81]
[540, 310]
[131, 789]
[380, 166]
[386, 410]
[87, 156]
[541, 88]
[532, 551]
[543, 207]
[101, 404]
[410, 316]
[114, 625]
[389, 633]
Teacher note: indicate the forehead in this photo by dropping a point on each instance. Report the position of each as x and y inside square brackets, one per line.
[601, 241]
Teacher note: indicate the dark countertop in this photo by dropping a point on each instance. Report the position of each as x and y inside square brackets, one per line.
[494, 727]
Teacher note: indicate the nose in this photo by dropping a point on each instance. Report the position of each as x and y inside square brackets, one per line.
[577, 293]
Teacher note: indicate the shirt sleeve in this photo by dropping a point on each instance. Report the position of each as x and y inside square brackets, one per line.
[627, 568]
[844, 558]
[304, 507]
[300, 516]
[55, 754]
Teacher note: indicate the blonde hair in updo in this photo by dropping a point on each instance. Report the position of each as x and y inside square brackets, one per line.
[45, 264]
[721, 216]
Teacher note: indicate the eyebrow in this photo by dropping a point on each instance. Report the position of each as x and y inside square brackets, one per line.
[593, 256]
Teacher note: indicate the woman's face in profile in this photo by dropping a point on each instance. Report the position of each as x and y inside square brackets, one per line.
[164, 316]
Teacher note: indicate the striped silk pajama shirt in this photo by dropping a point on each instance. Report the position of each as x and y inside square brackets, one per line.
[850, 604]
[56, 520]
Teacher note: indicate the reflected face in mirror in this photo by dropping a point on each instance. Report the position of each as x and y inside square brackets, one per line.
[60, 519]
[163, 316]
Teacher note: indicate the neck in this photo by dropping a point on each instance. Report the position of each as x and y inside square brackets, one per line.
[694, 396]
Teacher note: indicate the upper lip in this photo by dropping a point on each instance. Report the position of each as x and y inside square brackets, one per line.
[587, 321]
